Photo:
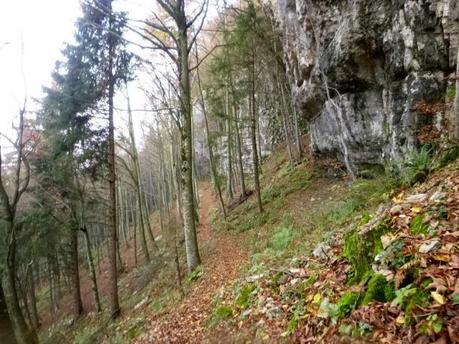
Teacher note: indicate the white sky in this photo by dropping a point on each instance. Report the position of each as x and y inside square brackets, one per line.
[40, 29]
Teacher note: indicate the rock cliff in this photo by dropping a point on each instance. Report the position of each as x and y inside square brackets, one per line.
[359, 68]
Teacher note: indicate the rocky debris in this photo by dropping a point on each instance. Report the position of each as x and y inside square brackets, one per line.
[375, 61]
[321, 251]
[409, 294]
[418, 198]
[430, 246]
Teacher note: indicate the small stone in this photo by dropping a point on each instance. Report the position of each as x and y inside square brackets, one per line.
[387, 239]
[246, 313]
[141, 303]
[395, 210]
[321, 251]
[418, 198]
[437, 196]
[388, 274]
[254, 278]
[429, 246]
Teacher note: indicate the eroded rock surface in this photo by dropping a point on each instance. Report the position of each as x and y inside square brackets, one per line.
[359, 68]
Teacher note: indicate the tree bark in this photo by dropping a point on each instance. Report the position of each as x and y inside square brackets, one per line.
[112, 220]
[456, 102]
[191, 242]
[22, 333]
[75, 273]
[6, 329]
[92, 270]
[253, 135]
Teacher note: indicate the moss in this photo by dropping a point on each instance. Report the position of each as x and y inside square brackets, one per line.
[451, 92]
[389, 291]
[221, 313]
[375, 289]
[419, 298]
[347, 303]
[449, 156]
[361, 250]
[244, 295]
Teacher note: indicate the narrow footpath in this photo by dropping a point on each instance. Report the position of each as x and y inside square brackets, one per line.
[223, 255]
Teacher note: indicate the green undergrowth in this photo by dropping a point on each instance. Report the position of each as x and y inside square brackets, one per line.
[301, 208]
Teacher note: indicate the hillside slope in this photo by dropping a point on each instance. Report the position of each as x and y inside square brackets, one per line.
[383, 274]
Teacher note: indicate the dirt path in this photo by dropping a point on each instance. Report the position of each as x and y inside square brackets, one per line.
[223, 255]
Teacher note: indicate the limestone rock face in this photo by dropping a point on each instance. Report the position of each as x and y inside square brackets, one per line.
[360, 67]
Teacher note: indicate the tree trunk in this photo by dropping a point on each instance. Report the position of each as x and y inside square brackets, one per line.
[253, 134]
[240, 156]
[75, 273]
[33, 299]
[191, 242]
[143, 239]
[229, 181]
[6, 329]
[92, 270]
[22, 333]
[456, 102]
[112, 221]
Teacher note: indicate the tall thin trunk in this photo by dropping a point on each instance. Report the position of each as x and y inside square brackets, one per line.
[229, 181]
[144, 215]
[92, 270]
[456, 101]
[135, 237]
[240, 160]
[253, 135]
[75, 273]
[213, 167]
[33, 299]
[112, 223]
[143, 239]
[191, 242]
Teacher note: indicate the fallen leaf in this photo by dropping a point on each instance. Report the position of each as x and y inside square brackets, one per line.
[437, 297]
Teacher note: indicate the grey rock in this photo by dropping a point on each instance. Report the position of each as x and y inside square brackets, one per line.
[321, 251]
[358, 68]
[429, 246]
[418, 198]
[437, 196]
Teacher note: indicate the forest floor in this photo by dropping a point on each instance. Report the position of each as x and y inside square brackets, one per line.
[223, 256]
[264, 281]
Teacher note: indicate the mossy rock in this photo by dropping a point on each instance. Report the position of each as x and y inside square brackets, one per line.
[378, 289]
[360, 250]
[347, 303]
[244, 295]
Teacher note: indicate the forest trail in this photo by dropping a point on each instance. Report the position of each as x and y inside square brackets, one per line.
[223, 253]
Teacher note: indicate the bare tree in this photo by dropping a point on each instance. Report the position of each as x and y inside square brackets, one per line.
[20, 173]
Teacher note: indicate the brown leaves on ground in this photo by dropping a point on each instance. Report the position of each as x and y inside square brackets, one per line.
[187, 322]
[298, 303]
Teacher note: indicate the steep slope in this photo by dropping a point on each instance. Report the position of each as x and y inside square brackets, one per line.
[386, 274]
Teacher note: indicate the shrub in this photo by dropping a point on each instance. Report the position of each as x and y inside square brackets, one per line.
[281, 239]
[418, 166]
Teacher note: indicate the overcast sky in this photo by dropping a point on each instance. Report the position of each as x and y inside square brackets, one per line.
[39, 28]
[32, 35]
